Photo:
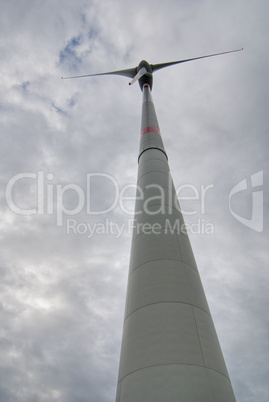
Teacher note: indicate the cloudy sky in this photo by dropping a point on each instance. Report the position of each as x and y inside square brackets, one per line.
[68, 151]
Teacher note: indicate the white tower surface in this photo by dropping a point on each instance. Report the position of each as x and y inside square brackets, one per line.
[170, 350]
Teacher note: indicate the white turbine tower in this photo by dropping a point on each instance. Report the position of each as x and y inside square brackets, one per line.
[170, 350]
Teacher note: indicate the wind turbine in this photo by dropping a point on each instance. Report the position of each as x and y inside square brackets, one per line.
[170, 350]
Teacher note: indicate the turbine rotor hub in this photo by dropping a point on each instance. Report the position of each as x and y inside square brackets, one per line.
[146, 78]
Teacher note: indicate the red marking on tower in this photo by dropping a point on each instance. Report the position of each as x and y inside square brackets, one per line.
[150, 129]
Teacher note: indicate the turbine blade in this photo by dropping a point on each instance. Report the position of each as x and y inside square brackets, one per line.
[156, 67]
[140, 73]
[126, 73]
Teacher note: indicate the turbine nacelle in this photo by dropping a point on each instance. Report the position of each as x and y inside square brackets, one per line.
[143, 73]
